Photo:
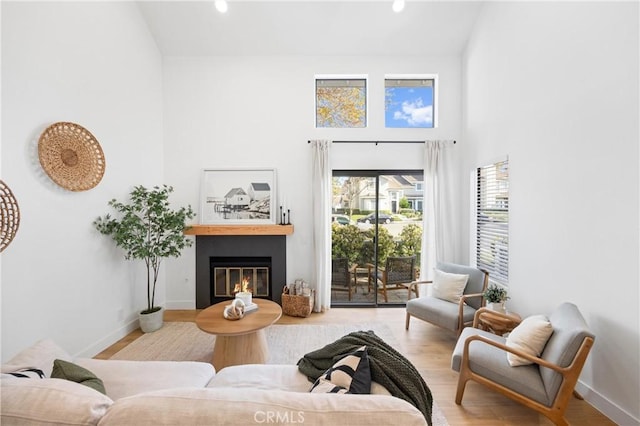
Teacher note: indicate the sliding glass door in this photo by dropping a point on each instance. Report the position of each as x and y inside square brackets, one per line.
[376, 235]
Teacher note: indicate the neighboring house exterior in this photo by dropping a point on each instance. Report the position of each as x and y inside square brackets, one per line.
[237, 197]
[392, 189]
[259, 190]
[412, 188]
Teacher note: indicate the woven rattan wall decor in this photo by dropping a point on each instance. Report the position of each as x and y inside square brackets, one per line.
[9, 216]
[71, 156]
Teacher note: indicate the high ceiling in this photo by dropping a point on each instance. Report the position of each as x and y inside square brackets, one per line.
[315, 28]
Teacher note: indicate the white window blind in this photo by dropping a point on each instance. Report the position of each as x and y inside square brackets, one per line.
[492, 221]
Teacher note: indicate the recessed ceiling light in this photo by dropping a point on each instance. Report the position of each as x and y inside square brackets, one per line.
[221, 6]
[398, 6]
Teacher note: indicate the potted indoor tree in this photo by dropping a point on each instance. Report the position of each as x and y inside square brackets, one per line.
[495, 297]
[148, 229]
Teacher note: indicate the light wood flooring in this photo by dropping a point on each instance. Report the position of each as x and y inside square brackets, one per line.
[429, 349]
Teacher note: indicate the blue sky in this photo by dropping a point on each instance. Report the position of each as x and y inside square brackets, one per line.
[408, 107]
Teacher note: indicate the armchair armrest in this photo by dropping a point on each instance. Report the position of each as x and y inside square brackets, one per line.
[461, 303]
[371, 266]
[415, 284]
[464, 297]
[536, 360]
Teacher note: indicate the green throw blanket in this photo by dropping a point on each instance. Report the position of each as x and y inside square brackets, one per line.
[388, 367]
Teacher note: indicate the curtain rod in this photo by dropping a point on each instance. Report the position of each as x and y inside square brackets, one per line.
[377, 142]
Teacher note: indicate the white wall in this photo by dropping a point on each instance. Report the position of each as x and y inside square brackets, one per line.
[94, 64]
[554, 85]
[225, 112]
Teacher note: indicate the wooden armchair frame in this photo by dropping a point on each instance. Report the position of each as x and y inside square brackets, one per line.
[570, 375]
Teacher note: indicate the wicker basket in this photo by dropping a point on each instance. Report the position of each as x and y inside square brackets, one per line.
[297, 305]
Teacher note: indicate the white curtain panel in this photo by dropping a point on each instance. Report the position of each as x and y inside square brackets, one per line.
[439, 235]
[321, 190]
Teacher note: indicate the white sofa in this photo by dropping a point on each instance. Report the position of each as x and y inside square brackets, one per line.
[187, 393]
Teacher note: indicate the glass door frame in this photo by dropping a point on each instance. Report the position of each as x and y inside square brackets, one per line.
[376, 174]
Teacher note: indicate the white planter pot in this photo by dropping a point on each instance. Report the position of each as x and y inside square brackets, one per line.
[496, 306]
[151, 322]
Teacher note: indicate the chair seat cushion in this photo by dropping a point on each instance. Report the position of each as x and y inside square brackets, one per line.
[439, 312]
[491, 362]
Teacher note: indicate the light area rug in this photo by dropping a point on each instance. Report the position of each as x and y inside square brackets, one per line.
[184, 341]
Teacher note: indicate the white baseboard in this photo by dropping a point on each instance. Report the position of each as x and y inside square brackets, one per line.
[97, 347]
[180, 304]
[606, 407]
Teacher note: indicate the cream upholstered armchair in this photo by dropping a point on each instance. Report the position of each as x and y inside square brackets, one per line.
[457, 294]
[541, 373]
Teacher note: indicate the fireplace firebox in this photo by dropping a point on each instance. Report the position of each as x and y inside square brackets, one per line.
[230, 275]
[256, 261]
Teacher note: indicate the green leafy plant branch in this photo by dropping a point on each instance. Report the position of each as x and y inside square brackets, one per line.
[148, 229]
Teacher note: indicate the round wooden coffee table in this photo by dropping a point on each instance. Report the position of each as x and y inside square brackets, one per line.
[242, 341]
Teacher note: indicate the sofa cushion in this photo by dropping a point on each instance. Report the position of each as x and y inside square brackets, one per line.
[530, 337]
[448, 286]
[125, 378]
[25, 373]
[73, 372]
[261, 376]
[244, 406]
[271, 377]
[50, 401]
[350, 374]
[39, 355]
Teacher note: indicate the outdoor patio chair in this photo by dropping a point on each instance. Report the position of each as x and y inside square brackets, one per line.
[342, 275]
[397, 274]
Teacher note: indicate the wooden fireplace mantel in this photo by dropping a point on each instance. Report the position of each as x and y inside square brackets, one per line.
[239, 230]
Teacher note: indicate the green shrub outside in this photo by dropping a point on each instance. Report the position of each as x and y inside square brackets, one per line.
[410, 240]
[346, 241]
[357, 245]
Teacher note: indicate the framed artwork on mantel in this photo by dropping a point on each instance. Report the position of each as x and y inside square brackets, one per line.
[238, 196]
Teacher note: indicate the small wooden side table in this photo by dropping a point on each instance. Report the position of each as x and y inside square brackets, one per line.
[498, 324]
[242, 341]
